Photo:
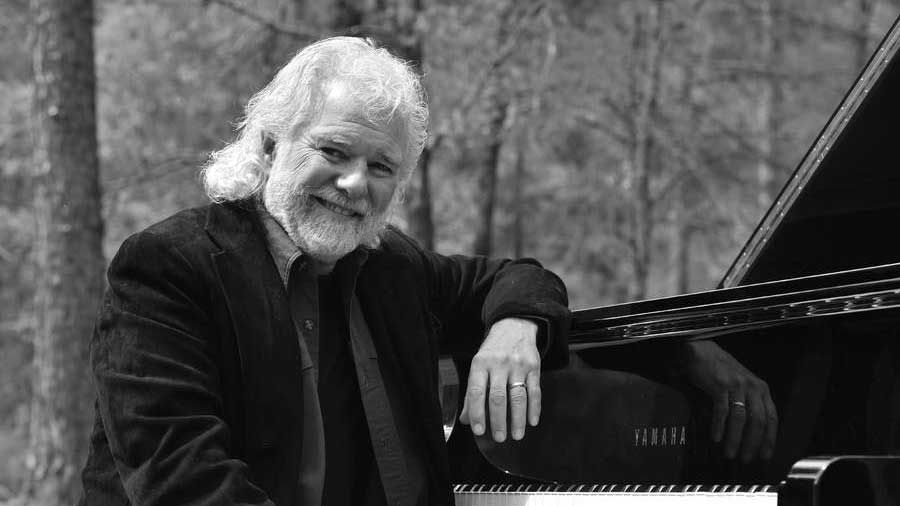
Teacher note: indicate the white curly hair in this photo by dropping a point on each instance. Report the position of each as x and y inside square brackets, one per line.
[385, 84]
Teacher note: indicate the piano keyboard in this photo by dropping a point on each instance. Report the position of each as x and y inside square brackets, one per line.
[615, 495]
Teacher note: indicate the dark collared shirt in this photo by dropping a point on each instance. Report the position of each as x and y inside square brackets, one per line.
[399, 465]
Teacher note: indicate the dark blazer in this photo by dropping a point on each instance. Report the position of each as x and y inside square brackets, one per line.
[196, 361]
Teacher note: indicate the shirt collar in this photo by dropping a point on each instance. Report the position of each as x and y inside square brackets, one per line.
[283, 250]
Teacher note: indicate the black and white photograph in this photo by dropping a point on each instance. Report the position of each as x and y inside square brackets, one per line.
[438, 252]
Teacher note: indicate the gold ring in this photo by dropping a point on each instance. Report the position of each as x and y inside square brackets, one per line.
[739, 404]
[516, 384]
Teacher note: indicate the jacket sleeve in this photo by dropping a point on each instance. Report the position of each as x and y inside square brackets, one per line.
[158, 386]
[469, 294]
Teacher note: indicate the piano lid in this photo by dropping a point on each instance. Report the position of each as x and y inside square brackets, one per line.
[841, 207]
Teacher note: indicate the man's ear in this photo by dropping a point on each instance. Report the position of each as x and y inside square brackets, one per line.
[268, 145]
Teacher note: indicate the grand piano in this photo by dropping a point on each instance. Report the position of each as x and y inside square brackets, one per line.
[811, 305]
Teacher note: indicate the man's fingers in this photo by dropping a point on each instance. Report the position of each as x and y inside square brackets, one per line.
[754, 429]
[474, 403]
[517, 398]
[533, 382]
[768, 446]
[719, 417]
[497, 405]
[737, 418]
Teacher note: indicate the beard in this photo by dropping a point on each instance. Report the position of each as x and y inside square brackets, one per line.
[320, 233]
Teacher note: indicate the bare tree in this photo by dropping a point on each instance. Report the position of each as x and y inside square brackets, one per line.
[518, 184]
[645, 77]
[863, 21]
[685, 226]
[410, 44]
[421, 220]
[487, 179]
[770, 110]
[500, 104]
[526, 140]
[68, 249]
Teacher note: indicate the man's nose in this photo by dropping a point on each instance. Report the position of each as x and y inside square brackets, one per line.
[352, 179]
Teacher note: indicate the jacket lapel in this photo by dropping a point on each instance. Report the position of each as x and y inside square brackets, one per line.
[266, 339]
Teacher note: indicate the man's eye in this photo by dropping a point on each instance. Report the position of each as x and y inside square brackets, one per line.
[337, 153]
[382, 169]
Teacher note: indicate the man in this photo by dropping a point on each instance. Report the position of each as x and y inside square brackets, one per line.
[280, 345]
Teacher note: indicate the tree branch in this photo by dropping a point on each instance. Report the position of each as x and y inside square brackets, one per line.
[306, 33]
[6, 255]
[153, 171]
[502, 54]
[302, 33]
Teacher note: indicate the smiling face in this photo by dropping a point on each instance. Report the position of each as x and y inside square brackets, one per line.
[333, 180]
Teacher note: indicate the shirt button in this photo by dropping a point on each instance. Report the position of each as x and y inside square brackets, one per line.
[309, 325]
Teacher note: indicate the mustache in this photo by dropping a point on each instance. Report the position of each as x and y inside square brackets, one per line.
[329, 193]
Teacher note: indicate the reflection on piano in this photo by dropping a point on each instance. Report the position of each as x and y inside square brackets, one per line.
[811, 305]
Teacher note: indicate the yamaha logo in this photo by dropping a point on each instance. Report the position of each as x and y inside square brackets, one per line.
[660, 436]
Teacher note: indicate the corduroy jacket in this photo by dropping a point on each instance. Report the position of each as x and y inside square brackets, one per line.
[196, 361]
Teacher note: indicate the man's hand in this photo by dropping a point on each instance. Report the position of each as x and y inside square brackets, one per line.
[743, 411]
[505, 372]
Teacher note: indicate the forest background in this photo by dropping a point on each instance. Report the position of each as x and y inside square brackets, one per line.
[630, 146]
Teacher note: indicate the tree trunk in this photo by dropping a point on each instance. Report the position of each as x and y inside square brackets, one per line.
[410, 47]
[345, 14]
[421, 222]
[770, 110]
[685, 208]
[68, 248]
[487, 180]
[646, 89]
[518, 199]
[527, 142]
[310, 13]
[863, 22]
[684, 233]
